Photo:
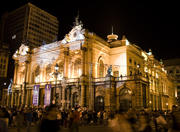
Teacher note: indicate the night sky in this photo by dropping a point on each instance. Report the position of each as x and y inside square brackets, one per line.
[148, 24]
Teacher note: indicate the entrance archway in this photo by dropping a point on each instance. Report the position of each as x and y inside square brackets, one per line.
[125, 99]
[99, 103]
[75, 99]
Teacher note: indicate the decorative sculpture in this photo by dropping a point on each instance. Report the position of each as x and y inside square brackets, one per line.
[109, 70]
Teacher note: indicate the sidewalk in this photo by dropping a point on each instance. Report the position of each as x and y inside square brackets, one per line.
[81, 129]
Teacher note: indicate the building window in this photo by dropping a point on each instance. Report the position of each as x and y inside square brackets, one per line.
[101, 68]
[130, 60]
[178, 87]
[170, 71]
[130, 73]
[77, 68]
[116, 73]
[177, 71]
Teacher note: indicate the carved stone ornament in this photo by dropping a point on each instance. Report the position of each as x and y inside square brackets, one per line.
[22, 51]
[76, 34]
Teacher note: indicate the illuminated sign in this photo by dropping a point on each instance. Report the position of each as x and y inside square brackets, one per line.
[47, 97]
[36, 95]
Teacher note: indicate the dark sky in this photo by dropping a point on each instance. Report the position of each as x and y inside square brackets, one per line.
[148, 24]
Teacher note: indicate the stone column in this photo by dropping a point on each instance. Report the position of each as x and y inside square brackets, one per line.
[15, 95]
[63, 92]
[15, 72]
[83, 78]
[83, 92]
[25, 83]
[110, 84]
[18, 100]
[12, 98]
[66, 62]
[138, 94]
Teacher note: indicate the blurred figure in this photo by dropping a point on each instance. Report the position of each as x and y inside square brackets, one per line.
[3, 121]
[19, 121]
[120, 124]
[29, 117]
[49, 122]
[132, 118]
[161, 123]
[75, 121]
[70, 119]
[144, 123]
[175, 125]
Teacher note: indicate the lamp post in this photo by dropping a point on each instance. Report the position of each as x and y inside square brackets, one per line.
[56, 68]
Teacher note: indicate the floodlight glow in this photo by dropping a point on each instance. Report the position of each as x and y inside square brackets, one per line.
[127, 42]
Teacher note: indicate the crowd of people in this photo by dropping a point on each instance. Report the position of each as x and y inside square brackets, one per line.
[53, 119]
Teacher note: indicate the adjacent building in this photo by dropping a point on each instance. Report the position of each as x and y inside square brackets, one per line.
[29, 24]
[173, 68]
[88, 71]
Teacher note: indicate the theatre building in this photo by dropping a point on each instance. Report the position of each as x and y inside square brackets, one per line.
[87, 71]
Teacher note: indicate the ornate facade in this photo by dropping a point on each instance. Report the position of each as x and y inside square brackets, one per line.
[135, 79]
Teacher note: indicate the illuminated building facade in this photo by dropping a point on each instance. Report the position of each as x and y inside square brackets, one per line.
[85, 70]
[28, 23]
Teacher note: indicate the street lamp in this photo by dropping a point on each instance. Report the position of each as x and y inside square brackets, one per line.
[150, 103]
[56, 68]
[167, 106]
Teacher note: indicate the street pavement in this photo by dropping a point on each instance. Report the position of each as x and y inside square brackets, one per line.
[81, 129]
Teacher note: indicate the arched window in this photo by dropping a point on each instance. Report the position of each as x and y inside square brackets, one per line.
[125, 99]
[77, 67]
[48, 72]
[37, 74]
[101, 68]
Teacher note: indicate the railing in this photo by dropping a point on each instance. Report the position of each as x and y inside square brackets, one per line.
[124, 78]
[102, 79]
[71, 80]
[77, 80]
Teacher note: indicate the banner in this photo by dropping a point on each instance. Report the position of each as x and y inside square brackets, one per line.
[47, 98]
[36, 95]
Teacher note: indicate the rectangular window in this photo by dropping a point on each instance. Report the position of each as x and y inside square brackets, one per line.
[116, 73]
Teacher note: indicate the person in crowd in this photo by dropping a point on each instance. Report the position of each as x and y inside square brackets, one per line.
[119, 123]
[105, 118]
[75, 121]
[19, 120]
[29, 118]
[35, 116]
[161, 123]
[49, 122]
[3, 121]
[144, 122]
[70, 119]
[175, 120]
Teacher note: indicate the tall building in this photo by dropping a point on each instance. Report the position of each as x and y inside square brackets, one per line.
[4, 59]
[173, 68]
[85, 70]
[30, 24]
